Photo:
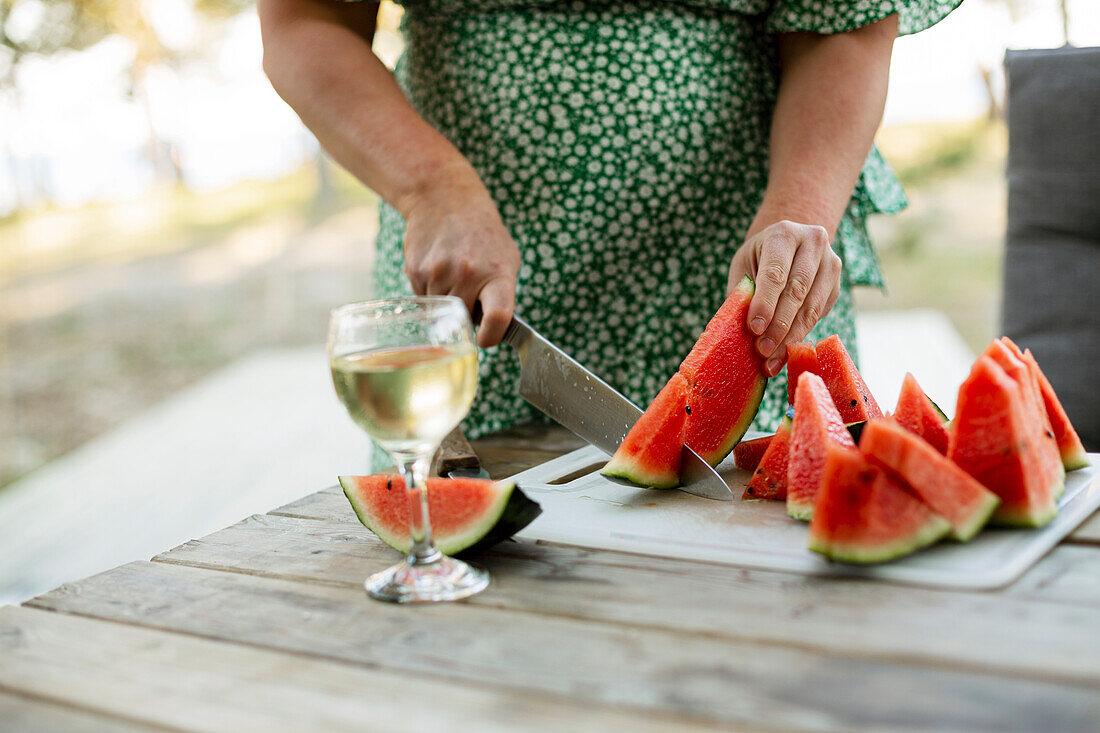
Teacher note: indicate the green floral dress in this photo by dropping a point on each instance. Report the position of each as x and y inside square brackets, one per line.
[625, 144]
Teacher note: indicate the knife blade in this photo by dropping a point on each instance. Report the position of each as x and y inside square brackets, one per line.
[557, 385]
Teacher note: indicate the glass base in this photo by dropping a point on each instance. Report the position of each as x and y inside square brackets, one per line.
[447, 579]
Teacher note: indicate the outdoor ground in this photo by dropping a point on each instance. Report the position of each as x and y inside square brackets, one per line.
[108, 309]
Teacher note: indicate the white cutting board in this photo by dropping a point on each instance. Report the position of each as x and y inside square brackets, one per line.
[592, 511]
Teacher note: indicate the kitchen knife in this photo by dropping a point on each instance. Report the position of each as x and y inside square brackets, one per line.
[576, 398]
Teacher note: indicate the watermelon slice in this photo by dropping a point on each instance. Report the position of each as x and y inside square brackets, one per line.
[466, 514]
[769, 480]
[1070, 446]
[747, 453]
[863, 515]
[816, 425]
[725, 377]
[801, 357]
[917, 413]
[948, 491]
[850, 394]
[1046, 446]
[991, 439]
[650, 454]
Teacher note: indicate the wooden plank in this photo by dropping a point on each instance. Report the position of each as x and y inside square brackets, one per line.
[30, 715]
[197, 684]
[329, 505]
[833, 615]
[1069, 575]
[537, 436]
[589, 662]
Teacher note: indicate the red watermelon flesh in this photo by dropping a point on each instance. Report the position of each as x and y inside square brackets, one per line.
[725, 378]
[650, 455]
[817, 425]
[769, 480]
[991, 439]
[863, 515]
[948, 491]
[1046, 450]
[850, 394]
[1070, 446]
[747, 453]
[801, 357]
[465, 514]
[917, 413]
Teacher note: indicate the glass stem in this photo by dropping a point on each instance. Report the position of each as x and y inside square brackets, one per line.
[414, 469]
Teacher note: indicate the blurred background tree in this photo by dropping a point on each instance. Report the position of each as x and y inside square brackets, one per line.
[45, 27]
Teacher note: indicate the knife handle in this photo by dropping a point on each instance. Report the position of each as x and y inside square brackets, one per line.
[455, 452]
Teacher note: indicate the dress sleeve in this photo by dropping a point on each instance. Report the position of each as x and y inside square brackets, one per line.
[839, 16]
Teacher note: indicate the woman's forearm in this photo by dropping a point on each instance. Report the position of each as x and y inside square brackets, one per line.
[832, 91]
[318, 57]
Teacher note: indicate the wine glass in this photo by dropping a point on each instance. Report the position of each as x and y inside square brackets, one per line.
[406, 370]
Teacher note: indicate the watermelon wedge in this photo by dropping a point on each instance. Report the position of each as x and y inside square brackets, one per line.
[816, 426]
[725, 378]
[863, 515]
[769, 480]
[747, 453]
[466, 514]
[948, 491]
[992, 440]
[1070, 446]
[1046, 446]
[850, 394]
[801, 357]
[919, 414]
[650, 454]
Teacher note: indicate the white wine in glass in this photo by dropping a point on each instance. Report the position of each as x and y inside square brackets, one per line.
[406, 370]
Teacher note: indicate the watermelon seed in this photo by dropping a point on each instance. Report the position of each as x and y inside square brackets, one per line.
[760, 470]
[687, 409]
[854, 403]
[389, 483]
[1050, 434]
[749, 490]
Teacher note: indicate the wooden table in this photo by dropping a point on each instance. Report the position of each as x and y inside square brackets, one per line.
[264, 626]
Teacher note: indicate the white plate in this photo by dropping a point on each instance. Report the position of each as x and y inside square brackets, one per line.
[592, 511]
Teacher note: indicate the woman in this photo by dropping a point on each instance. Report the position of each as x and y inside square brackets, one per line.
[606, 168]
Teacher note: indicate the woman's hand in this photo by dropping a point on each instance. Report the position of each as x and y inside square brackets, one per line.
[456, 244]
[797, 277]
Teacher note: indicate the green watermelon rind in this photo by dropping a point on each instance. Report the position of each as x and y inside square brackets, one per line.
[1007, 516]
[933, 530]
[803, 512]
[739, 428]
[978, 519]
[941, 413]
[512, 511]
[746, 286]
[1074, 459]
[632, 471]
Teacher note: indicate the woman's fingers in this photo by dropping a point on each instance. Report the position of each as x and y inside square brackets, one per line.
[805, 266]
[774, 264]
[498, 301]
[819, 301]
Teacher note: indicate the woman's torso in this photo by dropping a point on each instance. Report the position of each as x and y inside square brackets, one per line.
[626, 147]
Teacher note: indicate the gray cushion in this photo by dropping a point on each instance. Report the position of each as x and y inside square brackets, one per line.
[1052, 260]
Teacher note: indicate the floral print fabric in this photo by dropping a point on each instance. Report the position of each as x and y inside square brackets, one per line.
[625, 144]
